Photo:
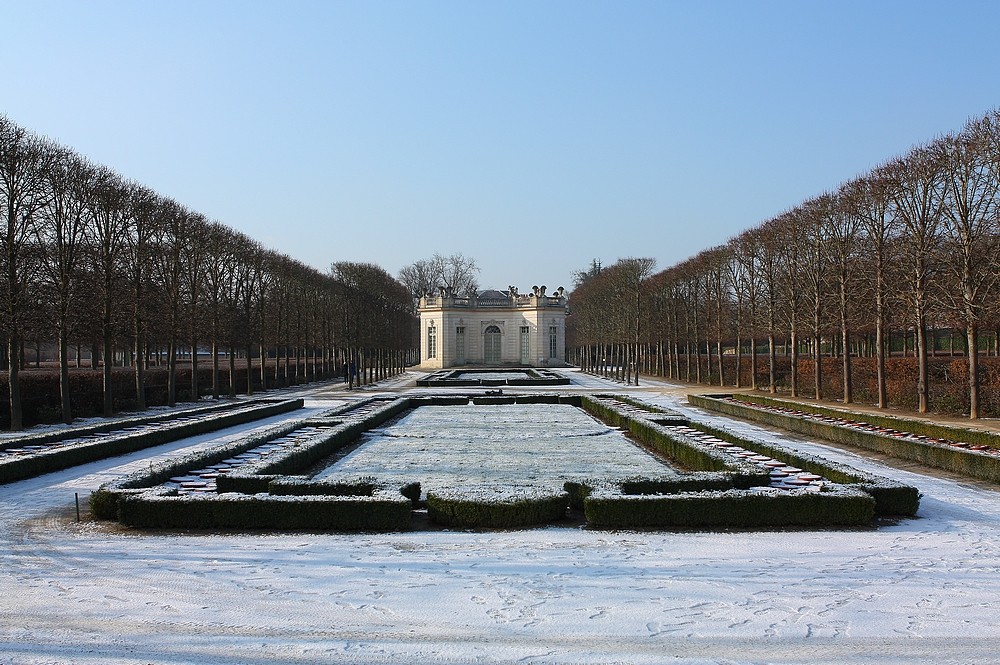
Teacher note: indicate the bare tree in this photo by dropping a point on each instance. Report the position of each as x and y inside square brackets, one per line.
[455, 273]
[219, 245]
[745, 277]
[792, 239]
[24, 160]
[194, 257]
[972, 231]
[419, 277]
[61, 236]
[172, 229]
[842, 233]
[107, 208]
[771, 273]
[716, 265]
[868, 199]
[918, 200]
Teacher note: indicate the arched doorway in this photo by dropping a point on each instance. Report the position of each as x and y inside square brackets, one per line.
[491, 345]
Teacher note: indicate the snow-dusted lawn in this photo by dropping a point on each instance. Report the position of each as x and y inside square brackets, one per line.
[921, 590]
[519, 445]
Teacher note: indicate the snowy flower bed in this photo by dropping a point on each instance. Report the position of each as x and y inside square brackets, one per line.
[975, 460]
[105, 501]
[764, 502]
[35, 455]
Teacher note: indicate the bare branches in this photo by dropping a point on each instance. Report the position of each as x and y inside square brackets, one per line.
[456, 274]
[91, 258]
[909, 247]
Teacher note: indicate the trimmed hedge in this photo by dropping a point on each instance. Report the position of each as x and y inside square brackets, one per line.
[105, 500]
[921, 427]
[958, 460]
[46, 461]
[351, 506]
[106, 425]
[652, 432]
[256, 476]
[501, 509]
[840, 506]
[379, 512]
[891, 497]
[366, 486]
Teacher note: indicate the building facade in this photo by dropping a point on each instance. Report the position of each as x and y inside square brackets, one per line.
[495, 328]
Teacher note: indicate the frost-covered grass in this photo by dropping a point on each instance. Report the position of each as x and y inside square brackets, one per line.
[516, 445]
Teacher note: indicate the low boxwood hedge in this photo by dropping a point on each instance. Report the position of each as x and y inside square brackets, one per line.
[104, 501]
[336, 486]
[958, 460]
[916, 426]
[496, 508]
[610, 508]
[104, 425]
[380, 511]
[210, 420]
[652, 431]
[891, 497]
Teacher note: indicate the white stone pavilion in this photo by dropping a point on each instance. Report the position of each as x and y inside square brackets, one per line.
[493, 329]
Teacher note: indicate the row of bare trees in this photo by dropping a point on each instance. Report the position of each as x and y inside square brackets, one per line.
[909, 247]
[91, 259]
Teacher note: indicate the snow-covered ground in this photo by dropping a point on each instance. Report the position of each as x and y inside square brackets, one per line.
[920, 590]
[529, 445]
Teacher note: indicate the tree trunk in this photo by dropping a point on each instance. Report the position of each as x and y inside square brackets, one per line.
[847, 370]
[195, 388]
[172, 372]
[13, 367]
[794, 362]
[249, 368]
[67, 409]
[972, 337]
[215, 369]
[232, 370]
[108, 355]
[922, 387]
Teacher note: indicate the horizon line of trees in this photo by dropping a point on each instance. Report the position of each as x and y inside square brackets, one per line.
[91, 259]
[910, 247]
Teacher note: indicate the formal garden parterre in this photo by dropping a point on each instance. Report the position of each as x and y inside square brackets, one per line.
[690, 476]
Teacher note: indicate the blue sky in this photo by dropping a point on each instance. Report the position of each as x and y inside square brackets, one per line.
[531, 136]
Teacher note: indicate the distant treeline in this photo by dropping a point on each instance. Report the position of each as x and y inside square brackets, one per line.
[100, 266]
[879, 264]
